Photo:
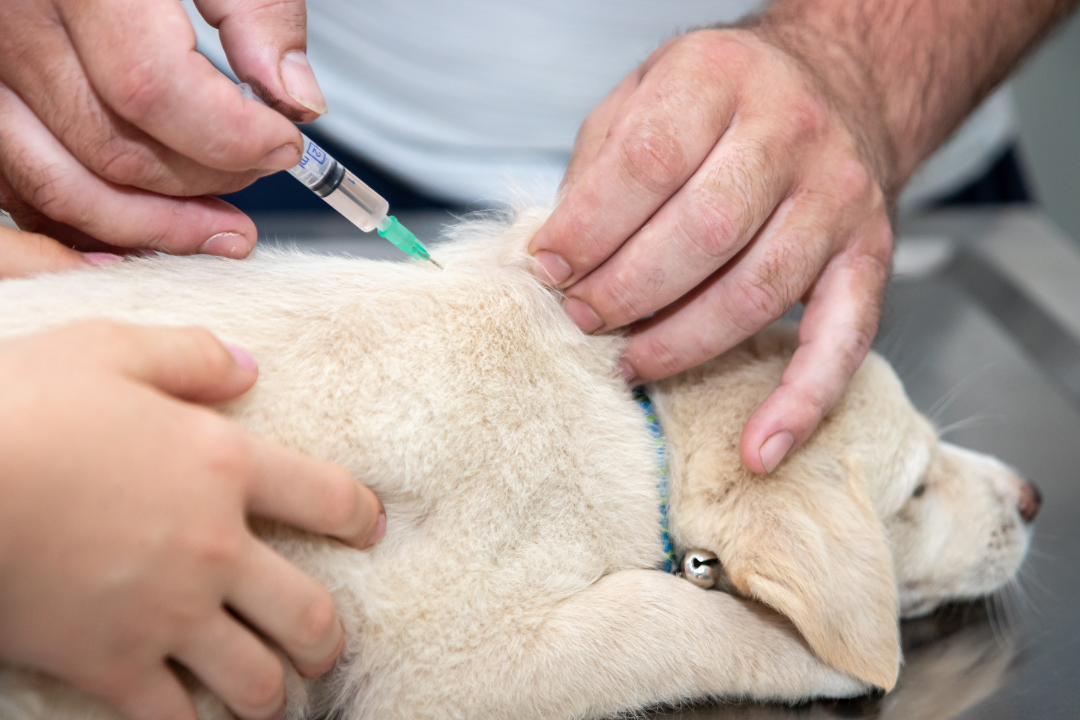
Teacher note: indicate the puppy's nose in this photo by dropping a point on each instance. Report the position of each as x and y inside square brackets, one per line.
[1030, 501]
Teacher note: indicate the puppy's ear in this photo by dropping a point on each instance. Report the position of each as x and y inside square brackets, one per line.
[815, 550]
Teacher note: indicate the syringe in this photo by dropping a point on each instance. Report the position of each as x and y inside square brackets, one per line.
[346, 193]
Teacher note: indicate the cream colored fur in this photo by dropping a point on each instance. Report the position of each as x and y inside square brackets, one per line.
[515, 579]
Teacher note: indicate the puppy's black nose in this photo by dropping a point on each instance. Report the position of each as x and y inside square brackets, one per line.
[1030, 501]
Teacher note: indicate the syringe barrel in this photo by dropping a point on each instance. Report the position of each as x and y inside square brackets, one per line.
[319, 172]
[342, 190]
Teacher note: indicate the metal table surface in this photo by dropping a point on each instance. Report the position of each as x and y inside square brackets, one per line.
[982, 322]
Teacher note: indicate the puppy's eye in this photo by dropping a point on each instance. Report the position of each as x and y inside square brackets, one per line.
[919, 491]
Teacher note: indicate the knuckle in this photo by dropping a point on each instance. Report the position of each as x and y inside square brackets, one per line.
[622, 298]
[714, 227]
[139, 162]
[47, 189]
[104, 143]
[770, 289]
[99, 336]
[853, 184]
[662, 357]
[317, 624]
[862, 339]
[124, 163]
[117, 162]
[261, 690]
[185, 613]
[9, 201]
[213, 545]
[221, 448]
[53, 193]
[877, 250]
[138, 90]
[208, 352]
[577, 241]
[807, 118]
[818, 399]
[734, 197]
[716, 51]
[653, 157]
[852, 350]
[755, 305]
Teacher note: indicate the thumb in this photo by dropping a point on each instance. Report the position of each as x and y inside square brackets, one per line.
[187, 363]
[266, 44]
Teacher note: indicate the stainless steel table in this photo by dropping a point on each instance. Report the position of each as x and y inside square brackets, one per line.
[982, 321]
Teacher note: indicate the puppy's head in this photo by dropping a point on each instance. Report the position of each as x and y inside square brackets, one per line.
[962, 533]
[873, 518]
[956, 522]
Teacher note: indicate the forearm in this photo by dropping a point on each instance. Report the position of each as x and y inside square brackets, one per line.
[925, 63]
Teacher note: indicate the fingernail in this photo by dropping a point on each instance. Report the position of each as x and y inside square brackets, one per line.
[300, 83]
[100, 259]
[283, 158]
[774, 449]
[243, 358]
[582, 315]
[380, 529]
[556, 269]
[628, 373]
[225, 244]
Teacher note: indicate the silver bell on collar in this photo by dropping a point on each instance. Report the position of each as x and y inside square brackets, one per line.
[702, 568]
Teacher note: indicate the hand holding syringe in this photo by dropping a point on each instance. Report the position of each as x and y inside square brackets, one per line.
[347, 194]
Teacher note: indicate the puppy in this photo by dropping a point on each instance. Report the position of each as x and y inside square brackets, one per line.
[518, 577]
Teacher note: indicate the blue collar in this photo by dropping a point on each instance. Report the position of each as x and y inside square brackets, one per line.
[657, 434]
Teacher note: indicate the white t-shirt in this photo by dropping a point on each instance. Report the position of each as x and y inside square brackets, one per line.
[468, 99]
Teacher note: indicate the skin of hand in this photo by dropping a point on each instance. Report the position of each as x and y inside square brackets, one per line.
[113, 128]
[124, 546]
[741, 170]
[23, 254]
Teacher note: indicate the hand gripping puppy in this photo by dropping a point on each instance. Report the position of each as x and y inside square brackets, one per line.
[519, 574]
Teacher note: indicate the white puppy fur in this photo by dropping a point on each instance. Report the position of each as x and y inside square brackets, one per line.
[516, 578]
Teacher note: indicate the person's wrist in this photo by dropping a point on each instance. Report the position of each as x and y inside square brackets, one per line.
[843, 80]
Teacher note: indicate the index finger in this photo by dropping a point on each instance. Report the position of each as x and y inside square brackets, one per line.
[187, 363]
[140, 57]
[314, 495]
[658, 139]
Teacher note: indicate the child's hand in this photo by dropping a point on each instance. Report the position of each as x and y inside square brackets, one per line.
[24, 253]
[123, 541]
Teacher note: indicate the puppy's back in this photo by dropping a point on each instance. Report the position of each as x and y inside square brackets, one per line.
[514, 468]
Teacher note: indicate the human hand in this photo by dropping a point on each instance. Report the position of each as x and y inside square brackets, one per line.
[123, 542]
[112, 126]
[23, 254]
[723, 180]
